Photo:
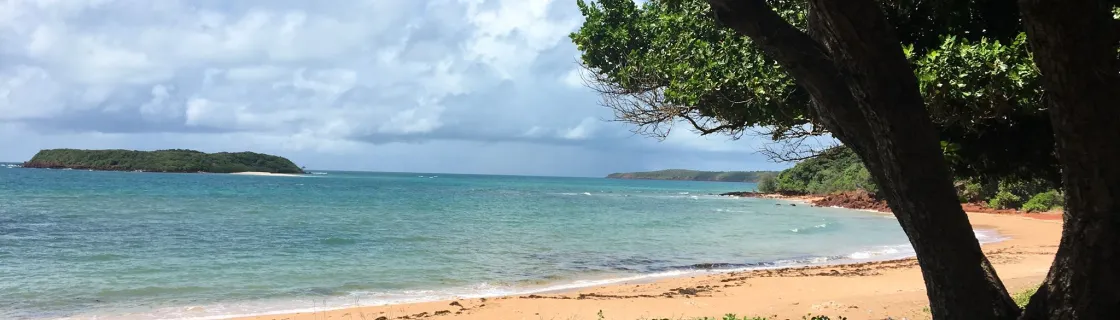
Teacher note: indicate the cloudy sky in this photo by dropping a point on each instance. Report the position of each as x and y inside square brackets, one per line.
[461, 86]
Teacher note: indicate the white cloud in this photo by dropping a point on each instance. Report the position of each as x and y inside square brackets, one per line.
[28, 92]
[582, 131]
[338, 77]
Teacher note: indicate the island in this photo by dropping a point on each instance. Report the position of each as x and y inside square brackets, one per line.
[693, 175]
[171, 160]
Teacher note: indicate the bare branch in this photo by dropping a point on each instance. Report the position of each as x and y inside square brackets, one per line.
[642, 103]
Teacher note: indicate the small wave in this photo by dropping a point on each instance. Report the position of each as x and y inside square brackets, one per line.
[682, 192]
[587, 193]
[334, 300]
[104, 257]
[884, 252]
[988, 236]
[816, 227]
[732, 210]
[338, 241]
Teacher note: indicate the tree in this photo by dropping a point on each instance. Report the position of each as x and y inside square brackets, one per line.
[1075, 46]
[852, 69]
[849, 62]
[668, 60]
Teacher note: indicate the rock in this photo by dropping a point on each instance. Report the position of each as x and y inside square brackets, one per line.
[382, 318]
[744, 194]
[456, 304]
[854, 200]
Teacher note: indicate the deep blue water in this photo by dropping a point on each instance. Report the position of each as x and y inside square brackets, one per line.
[83, 244]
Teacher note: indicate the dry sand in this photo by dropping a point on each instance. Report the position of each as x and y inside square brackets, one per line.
[872, 290]
[254, 173]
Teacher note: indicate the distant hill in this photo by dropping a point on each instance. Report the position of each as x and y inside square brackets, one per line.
[693, 175]
[174, 160]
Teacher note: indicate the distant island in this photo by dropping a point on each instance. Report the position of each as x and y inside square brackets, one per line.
[173, 160]
[693, 175]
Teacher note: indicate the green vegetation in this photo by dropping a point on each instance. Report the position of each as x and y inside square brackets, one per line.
[175, 160]
[662, 61]
[834, 170]
[1005, 200]
[680, 174]
[1021, 298]
[1045, 201]
[838, 169]
[891, 79]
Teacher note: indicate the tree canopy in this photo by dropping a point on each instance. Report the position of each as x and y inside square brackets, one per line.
[833, 170]
[173, 160]
[890, 79]
[668, 61]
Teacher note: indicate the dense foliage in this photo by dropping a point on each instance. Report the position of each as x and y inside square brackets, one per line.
[175, 160]
[680, 174]
[834, 170]
[839, 169]
[1045, 201]
[664, 62]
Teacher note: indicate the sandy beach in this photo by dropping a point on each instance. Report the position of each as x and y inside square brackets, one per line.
[253, 173]
[873, 290]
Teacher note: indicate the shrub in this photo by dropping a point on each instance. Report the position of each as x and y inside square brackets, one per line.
[1043, 201]
[834, 170]
[1005, 200]
[768, 184]
[1024, 188]
[975, 191]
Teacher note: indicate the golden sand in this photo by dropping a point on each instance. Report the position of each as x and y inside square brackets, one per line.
[871, 290]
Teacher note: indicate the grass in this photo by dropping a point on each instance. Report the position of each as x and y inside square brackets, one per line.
[1023, 297]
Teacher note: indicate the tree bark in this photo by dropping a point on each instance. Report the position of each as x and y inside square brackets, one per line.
[867, 95]
[1074, 43]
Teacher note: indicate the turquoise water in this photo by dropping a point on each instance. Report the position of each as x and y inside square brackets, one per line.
[122, 245]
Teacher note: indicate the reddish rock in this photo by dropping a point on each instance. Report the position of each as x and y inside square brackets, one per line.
[854, 200]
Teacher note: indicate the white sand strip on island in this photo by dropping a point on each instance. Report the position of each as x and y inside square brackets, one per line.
[256, 173]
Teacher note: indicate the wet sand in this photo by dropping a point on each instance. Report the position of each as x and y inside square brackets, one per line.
[872, 290]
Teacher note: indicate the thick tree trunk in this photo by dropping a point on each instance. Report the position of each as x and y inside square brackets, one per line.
[1074, 45]
[866, 93]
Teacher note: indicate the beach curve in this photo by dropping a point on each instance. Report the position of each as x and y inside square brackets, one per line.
[863, 290]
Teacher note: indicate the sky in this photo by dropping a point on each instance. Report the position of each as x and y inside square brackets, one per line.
[449, 86]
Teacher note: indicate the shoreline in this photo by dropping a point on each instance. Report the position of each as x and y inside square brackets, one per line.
[267, 174]
[247, 173]
[855, 289]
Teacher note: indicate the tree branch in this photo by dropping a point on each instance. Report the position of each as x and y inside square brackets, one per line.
[807, 61]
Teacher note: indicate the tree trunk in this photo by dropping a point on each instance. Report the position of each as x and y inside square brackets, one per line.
[866, 94]
[1074, 45]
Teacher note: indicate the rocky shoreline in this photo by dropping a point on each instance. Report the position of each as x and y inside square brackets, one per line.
[858, 200]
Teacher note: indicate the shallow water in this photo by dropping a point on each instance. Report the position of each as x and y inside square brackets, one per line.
[125, 245]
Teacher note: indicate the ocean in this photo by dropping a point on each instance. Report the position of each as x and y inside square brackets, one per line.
[121, 245]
